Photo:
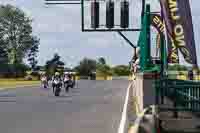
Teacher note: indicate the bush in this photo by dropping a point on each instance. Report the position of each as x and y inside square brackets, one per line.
[177, 67]
[121, 70]
[13, 70]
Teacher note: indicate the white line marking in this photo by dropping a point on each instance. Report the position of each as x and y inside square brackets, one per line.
[123, 118]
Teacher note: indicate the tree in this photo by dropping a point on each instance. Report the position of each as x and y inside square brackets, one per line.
[86, 67]
[16, 32]
[104, 69]
[102, 61]
[54, 65]
[121, 70]
[3, 52]
[32, 55]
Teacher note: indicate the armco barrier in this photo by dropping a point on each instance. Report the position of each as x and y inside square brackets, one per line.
[106, 78]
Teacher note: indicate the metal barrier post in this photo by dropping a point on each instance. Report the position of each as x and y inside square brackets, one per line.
[175, 103]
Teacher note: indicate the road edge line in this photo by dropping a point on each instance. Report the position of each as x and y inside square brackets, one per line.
[124, 112]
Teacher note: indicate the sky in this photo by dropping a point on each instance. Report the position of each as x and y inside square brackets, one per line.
[59, 30]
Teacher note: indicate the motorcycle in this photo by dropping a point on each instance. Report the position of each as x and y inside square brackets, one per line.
[56, 87]
[68, 83]
[44, 82]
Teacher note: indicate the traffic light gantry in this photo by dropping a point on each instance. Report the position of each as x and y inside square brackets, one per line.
[110, 24]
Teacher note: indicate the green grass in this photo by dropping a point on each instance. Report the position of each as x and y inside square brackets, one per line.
[12, 83]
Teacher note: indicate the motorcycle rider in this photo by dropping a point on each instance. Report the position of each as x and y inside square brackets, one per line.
[44, 79]
[65, 77]
[68, 76]
[67, 80]
[56, 77]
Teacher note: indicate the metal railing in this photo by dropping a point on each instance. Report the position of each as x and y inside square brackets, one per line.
[184, 94]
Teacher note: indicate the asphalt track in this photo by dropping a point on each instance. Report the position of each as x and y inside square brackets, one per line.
[92, 107]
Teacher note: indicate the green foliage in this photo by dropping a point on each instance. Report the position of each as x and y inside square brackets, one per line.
[13, 70]
[121, 70]
[86, 67]
[32, 54]
[3, 52]
[55, 64]
[102, 61]
[16, 33]
[177, 67]
[16, 41]
[103, 69]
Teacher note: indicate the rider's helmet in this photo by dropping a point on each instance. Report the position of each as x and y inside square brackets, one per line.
[66, 73]
[57, 74]
[43, 74]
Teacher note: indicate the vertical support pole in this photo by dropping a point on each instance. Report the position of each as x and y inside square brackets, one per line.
[175, 113]
[163, 69]
[162, 54]
[148, 34]
[163, 50]
[82, 15]
[143, 10]
[157, 87]
[145, 41]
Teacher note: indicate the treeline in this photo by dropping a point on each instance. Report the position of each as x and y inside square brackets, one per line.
[100, 67]
[86, 67]
[179, 67]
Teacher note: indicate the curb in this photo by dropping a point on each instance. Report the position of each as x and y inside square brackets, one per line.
[138, 121]
[138, 115]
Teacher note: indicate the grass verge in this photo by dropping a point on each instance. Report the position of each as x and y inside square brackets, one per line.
[13, 83]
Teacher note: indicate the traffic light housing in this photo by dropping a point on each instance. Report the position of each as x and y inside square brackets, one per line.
[110, 14]
[124, 23]
[95, 14]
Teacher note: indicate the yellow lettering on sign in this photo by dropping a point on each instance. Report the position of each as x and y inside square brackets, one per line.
[156, 20]
[173, 9]
[180, 41]
[179, 33]
[174, 55]
[178, 30]
[162, 28]
[172, 3]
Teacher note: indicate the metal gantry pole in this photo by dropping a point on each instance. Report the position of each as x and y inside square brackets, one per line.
[143, 8]
[145, 41]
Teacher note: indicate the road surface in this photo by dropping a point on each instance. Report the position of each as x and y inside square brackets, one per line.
[92, 107]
